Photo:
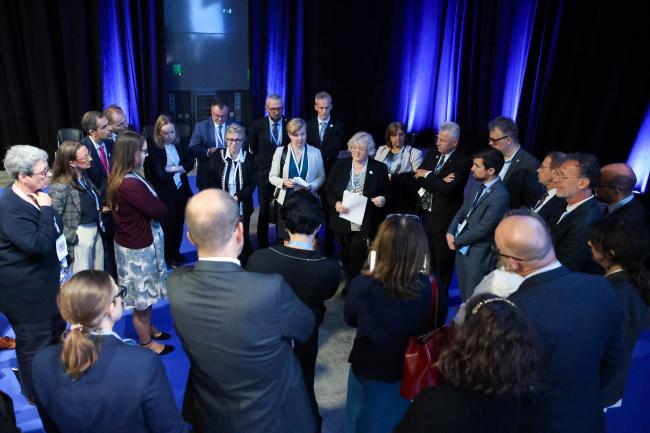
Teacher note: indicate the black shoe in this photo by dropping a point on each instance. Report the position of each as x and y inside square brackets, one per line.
[167, 349]
[162, 336]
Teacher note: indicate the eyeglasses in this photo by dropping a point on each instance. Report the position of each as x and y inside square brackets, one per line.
[496, 251]
[275, 108]
[564, 177]
[86, 157]
[235, 140]
[121, 294]
[42, 173]
[494, 140]
[402, 215]
[220, 116]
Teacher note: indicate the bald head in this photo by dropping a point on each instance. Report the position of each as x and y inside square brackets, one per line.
[619, 175]
[211, 217]
[527, 239]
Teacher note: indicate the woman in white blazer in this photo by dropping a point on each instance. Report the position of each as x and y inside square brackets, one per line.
[295, 166]
[402, 161]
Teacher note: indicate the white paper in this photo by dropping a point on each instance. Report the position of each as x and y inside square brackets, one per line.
[300, 181]
[356, 204]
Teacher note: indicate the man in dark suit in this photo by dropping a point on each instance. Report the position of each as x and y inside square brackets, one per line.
[441, 179]
[471, 231]
[100, 147]
[519, 172]
[579, 324]
[616, 188]
[550, 207]
[237, 328]
[266, 134]
[116, 120]
[208, 136]
[576, 179]
[328, 134]
[97, 140]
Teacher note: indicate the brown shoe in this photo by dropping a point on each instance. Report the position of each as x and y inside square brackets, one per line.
[7, 343]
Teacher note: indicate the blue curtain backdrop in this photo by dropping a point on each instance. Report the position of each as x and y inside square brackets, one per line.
[548, 63]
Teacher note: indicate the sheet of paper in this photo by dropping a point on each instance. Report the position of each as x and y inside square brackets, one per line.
[300, 181]
[356, 204]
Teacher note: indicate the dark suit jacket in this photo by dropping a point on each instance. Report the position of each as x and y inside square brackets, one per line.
[261, 144]
[521, 180]
[96, 172]
[578, 320]
[481, 223]
[633, 212]
[126, 390]
[202, 139]
[552, 210]
[570, 237]
[333, 140]
[215, 174]
[635, 313]
[376, 184]
[447, 197]
[236, 328]
[162, 181]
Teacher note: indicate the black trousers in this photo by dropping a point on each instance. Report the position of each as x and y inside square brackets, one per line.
[354, 252]
[172, 226]
[264, 196]
[30, 337]
[442, 258]
[307, 353]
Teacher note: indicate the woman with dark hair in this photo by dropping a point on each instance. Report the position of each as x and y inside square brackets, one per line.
[486, 370]
[402, 160]
[79, 202]
[30, 262]
[139, 241]
[295, 166]
[390, 302]
[359, 175]
[620, 248]
[166, 169]
[233, 170]
[94, 380]
[313, 277]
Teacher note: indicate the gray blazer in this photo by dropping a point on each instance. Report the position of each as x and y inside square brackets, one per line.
[66, 201]
[411, 159]
[236, 328]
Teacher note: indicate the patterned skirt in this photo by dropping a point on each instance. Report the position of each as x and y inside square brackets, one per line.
[143, 271]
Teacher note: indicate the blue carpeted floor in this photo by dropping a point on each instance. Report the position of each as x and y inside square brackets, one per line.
[632, 417]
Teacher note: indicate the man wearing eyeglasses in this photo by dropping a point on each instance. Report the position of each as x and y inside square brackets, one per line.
[576, 180]
[616, 189]
[519, 172]
[116, 119]
[550, 206]
[267, 134]
[208, 136]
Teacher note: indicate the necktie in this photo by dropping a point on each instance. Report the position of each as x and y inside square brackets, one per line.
[541, 200]
[219, 137]
[478, 196]
[441, 162]
[321, 132]
[103, 159]
[274, 131]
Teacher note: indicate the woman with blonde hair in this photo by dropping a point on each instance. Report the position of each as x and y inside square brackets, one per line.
[388, 303]
[139, 241]
[79, 202]
[94, 380]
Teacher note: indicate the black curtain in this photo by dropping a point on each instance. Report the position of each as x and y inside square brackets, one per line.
[52, 66]
[585, 86]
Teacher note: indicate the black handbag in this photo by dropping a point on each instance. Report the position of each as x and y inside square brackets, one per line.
[274, 206]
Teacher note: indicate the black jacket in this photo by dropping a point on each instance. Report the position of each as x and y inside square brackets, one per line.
[521, 180]
[333, 140]
[261, 145]
[376, 184]
[215, 175]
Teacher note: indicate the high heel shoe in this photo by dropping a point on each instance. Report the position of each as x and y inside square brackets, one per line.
[161, 336]
[166, 348]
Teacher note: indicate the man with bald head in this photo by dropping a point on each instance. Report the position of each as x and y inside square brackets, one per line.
[237, 329]
[578, 321]
[616, 188]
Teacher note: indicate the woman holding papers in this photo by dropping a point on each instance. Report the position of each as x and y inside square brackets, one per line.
[358, 187]
[295, 166]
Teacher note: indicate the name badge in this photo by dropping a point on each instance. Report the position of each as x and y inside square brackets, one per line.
[61, 248]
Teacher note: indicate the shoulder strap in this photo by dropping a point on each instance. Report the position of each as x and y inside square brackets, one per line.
[283, 157]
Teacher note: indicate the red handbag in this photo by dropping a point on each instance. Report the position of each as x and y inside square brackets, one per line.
[422, 353]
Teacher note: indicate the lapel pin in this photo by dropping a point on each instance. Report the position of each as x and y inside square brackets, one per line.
[370, 172]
